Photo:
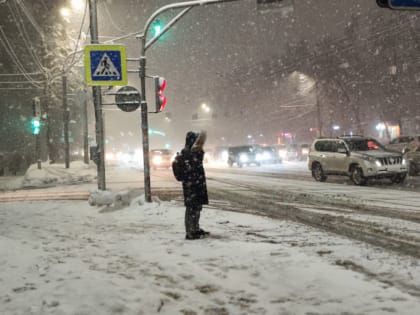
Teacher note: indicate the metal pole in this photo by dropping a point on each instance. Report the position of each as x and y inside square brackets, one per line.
[38, 151]
[66, 123]
[97, 101]
[145, 129]
[85, 130]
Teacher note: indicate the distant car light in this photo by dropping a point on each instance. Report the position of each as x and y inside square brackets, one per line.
[243, 158]
[157, 160]
[283, 153]
[378, 163]
[225, 156]
[266, 156]
[305, 151]
[404, 162]
[109, 156]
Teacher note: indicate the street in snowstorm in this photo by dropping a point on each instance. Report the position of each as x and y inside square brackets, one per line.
[209, 157]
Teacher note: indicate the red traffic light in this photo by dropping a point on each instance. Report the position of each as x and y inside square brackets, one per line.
[160, 86]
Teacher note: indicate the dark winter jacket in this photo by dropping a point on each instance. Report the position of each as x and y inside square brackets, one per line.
[194, 184]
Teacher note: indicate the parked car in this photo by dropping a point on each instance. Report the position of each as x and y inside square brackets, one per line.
[161, 158]
[358, 157]
[398, 144]
[411, 153]
[244, 155]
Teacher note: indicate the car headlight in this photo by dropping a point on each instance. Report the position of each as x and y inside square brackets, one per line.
[282, 153]
[225, 155]
[305, 151]
[157, 160]
[243, 158]
[404, 162]
[378, 163]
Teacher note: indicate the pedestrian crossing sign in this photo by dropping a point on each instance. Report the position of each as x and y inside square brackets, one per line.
[105, 65]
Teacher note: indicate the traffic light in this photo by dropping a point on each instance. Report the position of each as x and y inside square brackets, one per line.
[36, 107]
[157, 28]
[35, 126]
[160, 85]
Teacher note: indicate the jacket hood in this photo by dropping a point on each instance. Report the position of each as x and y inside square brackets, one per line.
[199, 142]
[195, 140]
[190, 138]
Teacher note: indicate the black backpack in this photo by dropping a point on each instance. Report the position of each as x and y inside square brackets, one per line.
[178, 167]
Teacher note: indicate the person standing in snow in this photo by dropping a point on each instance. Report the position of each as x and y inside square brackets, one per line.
[194, 183]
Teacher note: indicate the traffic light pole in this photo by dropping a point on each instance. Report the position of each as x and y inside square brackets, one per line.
[38, 151]
[97, 101]
[188, 5]
[85, 130]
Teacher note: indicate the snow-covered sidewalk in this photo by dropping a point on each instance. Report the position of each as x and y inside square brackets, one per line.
[67, 257]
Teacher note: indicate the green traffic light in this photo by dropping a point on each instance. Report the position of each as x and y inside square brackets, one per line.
[157, 28]
[35, 126]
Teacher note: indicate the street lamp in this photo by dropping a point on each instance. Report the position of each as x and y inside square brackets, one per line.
[205, 107]
[65, 12]
[77, 4]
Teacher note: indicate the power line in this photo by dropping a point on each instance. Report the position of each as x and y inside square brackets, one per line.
[9, 50]
[21, 27]
[30, 17]
[20, 74]
[78, 37]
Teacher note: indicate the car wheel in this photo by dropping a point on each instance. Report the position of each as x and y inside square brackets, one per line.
[399, 178]
[318, 173]
[357, 176]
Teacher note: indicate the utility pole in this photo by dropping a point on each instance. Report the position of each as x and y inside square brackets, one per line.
[66, 123]
[97, 102]
[85, 129]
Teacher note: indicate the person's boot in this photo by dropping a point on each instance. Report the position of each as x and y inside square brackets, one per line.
[193, 236]
[203, 232]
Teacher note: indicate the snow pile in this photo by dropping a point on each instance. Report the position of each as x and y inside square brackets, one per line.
[53, 174]
[67, 257]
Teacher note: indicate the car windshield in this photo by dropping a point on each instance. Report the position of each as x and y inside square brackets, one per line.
[363, 144]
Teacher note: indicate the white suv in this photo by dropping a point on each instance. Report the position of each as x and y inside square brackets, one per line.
[358, 157]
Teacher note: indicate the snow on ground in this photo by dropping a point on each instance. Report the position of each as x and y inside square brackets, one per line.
[117, 255]
[67, 257]
[53, 174]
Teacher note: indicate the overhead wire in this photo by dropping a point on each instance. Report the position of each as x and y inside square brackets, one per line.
[20, 74]
[30, 17]
[106, 9]
[78, 36]
[9, 49]
[21, 27]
